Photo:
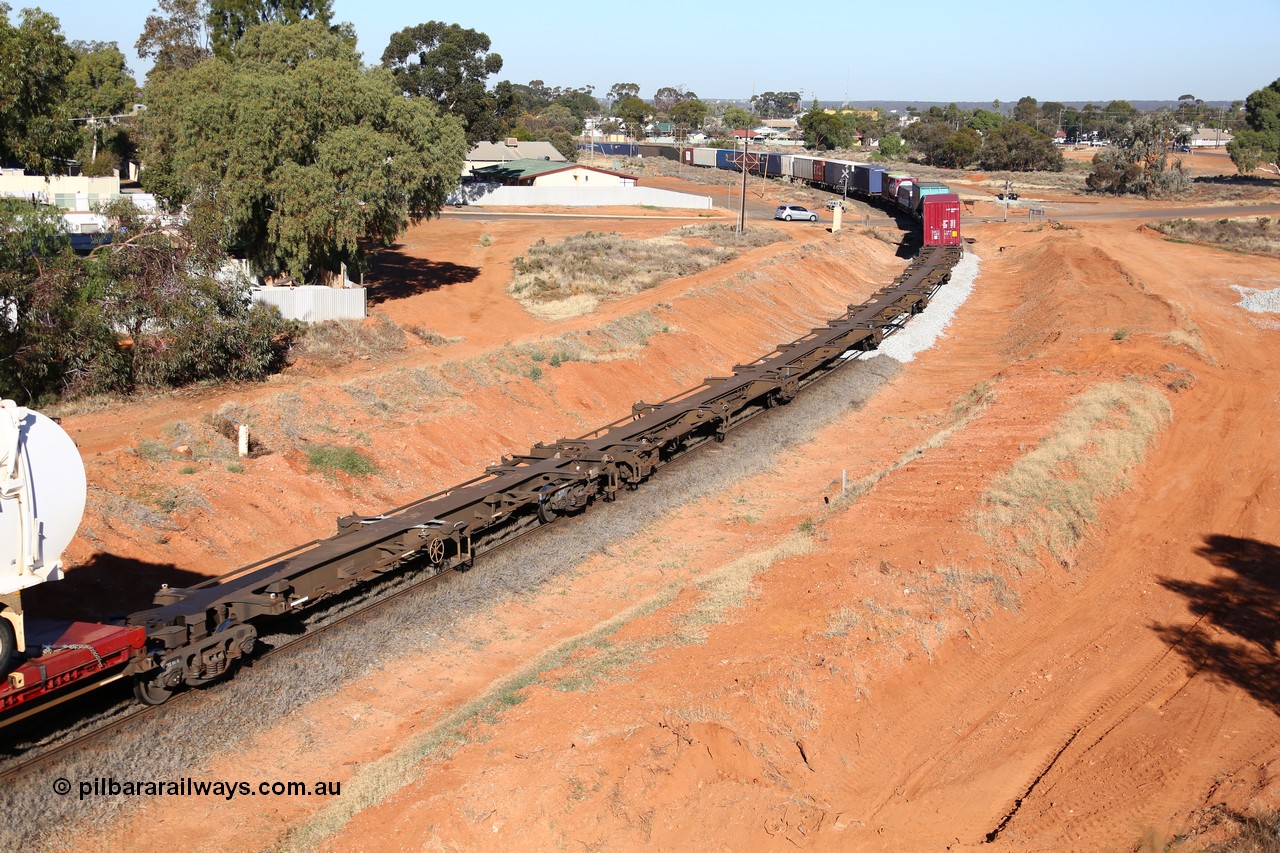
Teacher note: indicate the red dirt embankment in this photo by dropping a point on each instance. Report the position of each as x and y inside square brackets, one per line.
[763, 669]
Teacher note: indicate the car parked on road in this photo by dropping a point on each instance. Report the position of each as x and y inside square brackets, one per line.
[789, 212]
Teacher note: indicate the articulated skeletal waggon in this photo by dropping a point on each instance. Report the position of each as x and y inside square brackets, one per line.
[196, 635]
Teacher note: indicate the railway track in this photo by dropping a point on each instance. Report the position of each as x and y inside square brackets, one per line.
[700, 421]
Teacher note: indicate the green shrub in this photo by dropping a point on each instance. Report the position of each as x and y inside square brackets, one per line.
[328, 458]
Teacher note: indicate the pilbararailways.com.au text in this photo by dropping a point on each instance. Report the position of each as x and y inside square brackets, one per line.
[188, 787]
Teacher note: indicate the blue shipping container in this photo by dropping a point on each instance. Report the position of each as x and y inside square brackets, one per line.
[838, 175]
[868, 179]
[726, 159]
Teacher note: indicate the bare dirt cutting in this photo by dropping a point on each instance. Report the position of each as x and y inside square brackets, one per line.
[779, 663]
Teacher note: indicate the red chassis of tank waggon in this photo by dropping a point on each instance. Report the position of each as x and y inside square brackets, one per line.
[82, 652]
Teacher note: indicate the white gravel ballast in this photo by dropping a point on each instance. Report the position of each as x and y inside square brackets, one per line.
[1258, 301]
[924, 329]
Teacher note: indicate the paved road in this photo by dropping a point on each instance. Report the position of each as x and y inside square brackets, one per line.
[1217, 211]
[1020, 213]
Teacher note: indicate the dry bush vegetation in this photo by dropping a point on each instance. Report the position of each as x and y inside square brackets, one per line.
[1046, 501]
[1257, 234]
[338, 342]
[554, 281]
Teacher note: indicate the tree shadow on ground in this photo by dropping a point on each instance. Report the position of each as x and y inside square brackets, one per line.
[105, 587]
[1259, 181]
[397, 275]
[1237, 630]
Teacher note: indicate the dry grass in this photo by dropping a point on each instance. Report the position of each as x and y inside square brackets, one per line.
[555, 281]
[338, 342]
[729, 587]
[606, 265]
[382, 778]
[728, 236]
[964, 412]
[1259, 234]
[1257, 833]
[1047, 500]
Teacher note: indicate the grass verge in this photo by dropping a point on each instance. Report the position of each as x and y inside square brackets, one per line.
[601, 658]
[1259, 234]
[554, 281]
[1045, 502]
[329, 459]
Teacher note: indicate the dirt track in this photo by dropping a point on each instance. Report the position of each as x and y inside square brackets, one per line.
[1118, 694]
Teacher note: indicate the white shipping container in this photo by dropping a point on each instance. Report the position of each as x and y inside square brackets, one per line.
[802, 168]
[704, 157]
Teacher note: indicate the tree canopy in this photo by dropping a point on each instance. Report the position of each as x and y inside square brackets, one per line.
[35, 130]
[229, 20]
[147, 309]
[1259, 143]
[622, 91]
[668, 96]
[100, 90]
[736, 118]
[292, 153]
[450, 65]
[825, 130]
[177, 36]
[635, 113]
[776, 104]
[1140, 162]
[1018, 147]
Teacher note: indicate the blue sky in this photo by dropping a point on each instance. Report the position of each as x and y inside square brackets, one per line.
[922, 50]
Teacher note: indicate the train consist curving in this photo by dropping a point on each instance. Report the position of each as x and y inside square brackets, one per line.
[933, 204]
[196, 635]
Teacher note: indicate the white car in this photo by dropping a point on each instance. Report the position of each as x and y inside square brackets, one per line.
[789, 212]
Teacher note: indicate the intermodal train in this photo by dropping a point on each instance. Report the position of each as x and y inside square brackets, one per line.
[196, 635]
[931, 203]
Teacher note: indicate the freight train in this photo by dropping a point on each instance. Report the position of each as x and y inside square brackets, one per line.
[196, 635]
[933, 204]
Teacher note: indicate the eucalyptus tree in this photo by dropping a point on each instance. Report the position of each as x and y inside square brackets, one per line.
[294, 154]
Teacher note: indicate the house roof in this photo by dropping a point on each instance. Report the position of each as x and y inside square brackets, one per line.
[518, 171]
[497, 152]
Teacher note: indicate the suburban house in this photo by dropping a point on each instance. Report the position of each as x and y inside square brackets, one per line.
[545, 173]
[69, 192]
[1208, 137]
[493, 153]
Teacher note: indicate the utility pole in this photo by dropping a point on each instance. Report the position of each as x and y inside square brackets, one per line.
[1007, 186]
[742, 214]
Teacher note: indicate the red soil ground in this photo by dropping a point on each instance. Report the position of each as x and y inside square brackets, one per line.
[1129, 692]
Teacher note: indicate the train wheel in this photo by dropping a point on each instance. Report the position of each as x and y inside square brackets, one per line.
[151, 691]
[7, 645]
[435, 552]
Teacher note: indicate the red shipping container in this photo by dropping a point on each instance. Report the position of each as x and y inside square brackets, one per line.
[686, 156]
[942, 220]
